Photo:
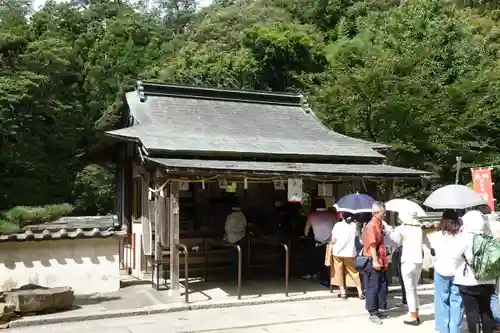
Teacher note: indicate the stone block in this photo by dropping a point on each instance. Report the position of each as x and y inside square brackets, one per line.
[40, 300]
[6, 314]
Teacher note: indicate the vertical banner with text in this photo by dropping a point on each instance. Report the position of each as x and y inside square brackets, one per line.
[482, 182]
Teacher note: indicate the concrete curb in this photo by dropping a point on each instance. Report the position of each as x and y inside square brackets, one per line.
[168, 308]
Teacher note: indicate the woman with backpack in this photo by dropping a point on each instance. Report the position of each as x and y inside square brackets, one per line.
[493, 228]
[448, 306]
[476, 294]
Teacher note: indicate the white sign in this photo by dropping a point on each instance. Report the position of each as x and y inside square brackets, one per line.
[222, 183]
[325, 190]
[294, 190]
[279, 185]
[184, 185]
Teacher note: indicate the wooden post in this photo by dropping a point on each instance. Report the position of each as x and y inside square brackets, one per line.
[174, 237]
[166, 218]
[389, 193]
[159, 218]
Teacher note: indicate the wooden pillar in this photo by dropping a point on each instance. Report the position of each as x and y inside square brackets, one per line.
[389, 190]
[159, 218]
[128, 187]
[174, 236]
[166, 218]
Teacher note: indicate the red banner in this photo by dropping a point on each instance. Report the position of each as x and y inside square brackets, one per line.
[482, 182]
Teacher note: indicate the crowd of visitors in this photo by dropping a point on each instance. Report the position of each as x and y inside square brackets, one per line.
[357, 254]
[352, 251]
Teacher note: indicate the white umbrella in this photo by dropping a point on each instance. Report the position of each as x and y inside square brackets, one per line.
[403, 206]
[454, 197]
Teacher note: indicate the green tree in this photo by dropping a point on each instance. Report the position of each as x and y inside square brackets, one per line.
[414, 77]
[421, 76]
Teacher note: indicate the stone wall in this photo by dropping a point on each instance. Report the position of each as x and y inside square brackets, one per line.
[88, 266]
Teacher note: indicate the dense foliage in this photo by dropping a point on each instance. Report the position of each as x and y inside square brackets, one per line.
[419, 75]
[20, 216]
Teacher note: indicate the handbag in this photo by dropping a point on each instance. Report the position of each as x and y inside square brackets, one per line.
[361, 261]
[328, 255]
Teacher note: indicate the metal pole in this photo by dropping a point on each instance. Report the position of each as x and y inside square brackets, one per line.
[186, 271]
[459, 162]
[249, 255]
[238, 290]
[287, 267]
[205, 263]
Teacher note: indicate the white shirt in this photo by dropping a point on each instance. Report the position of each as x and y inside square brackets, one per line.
[444, 246]
[388, 242]
[411, 237]
[236, 224]
[464, 275]
[345, 239]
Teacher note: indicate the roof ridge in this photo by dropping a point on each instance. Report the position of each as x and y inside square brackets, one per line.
[148, 88]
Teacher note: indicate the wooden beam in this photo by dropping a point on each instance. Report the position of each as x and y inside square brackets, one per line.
[174, 236]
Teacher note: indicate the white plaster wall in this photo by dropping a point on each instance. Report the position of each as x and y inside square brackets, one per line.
[87, 265]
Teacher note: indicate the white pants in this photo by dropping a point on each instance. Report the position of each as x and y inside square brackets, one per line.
[411, 274]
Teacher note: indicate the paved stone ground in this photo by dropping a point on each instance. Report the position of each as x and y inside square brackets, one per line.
[141, 299]
[292, 317]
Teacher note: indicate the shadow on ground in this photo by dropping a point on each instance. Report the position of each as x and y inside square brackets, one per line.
[92, 300]
[256, 287]
[397, 310]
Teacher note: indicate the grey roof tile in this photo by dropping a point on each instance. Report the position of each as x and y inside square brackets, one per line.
[278, 168]
[189, 119]
[75, 222]
[68, 228]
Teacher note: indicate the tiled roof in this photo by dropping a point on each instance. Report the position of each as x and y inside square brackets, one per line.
[68, 228]
[279, 168]
[193, 120]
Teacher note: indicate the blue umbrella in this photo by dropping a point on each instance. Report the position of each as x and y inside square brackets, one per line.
[355, 203]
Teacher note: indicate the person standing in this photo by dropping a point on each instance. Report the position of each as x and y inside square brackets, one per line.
[493, 228]
[409, 234]
[448, 305]
[376, 269]
[342, 268]
[476, 294]
[396, 261]
[235, 229]
[321, 222]
[390, 246]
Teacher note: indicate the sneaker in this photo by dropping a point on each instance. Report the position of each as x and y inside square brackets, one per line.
[375, 320]
[307, 277]
[381, 315]
[324, 284]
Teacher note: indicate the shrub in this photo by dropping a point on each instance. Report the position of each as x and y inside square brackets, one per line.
[7, 227]
[16, 218]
